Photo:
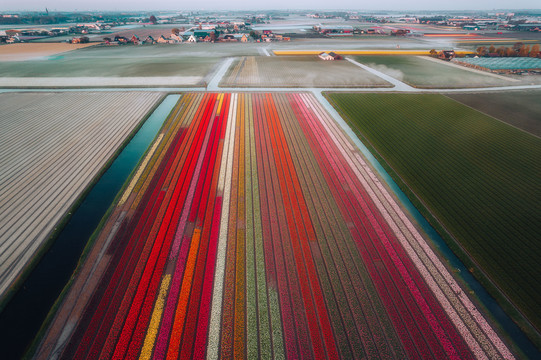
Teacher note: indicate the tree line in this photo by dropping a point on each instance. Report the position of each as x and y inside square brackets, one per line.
[517, 50]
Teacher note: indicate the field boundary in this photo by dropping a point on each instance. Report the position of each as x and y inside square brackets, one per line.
[360, 52]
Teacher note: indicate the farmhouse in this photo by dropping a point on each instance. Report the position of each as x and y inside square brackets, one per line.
[228, 38]
[400, 32]
[80, 40]
[329, 56]
[446, 54]
[121, 39]
[149, 40]
[176, 38]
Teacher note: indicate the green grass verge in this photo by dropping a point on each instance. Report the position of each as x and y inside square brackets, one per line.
[474, 178]
[424, 73]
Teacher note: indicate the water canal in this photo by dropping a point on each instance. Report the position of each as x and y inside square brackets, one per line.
[23, 316]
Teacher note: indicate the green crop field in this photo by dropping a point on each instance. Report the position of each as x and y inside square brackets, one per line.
[424, 73]
[478, 176]
[119, 61]
[518, 108]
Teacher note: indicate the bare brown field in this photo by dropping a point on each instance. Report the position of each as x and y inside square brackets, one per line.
[52, 146]
[27, 51]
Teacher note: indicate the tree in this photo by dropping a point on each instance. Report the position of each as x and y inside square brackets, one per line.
[175, 31]
[517, 46]
[491, 49]
[433, 53]
[482, 51]
[534, 52]
[153, 19]
[524, 51]
[501, 51]
[511, 52]
[254, 34]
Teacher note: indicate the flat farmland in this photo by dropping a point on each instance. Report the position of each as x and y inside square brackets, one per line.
[130, 65]
[253, 228]
[297, 71]
[423, 73]
[478, 176]
[20, 52]
[519, 108]
[52, 146]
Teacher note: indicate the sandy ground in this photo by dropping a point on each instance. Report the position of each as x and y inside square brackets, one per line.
[27, 51]
[40, 82]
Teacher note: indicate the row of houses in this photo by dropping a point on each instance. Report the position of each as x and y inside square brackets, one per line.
[8, 38]
[334, 30]
[175, 39]
[269, 36]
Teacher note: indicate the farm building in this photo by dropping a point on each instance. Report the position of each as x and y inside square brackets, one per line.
[446, 54]
[176, 38]
[529, 27]
[149, 40]
[170, 40]
[329, 56]
[80, 40]
[234, 38]
[121, 39]
[228, 38]
[335, 30]
[400, 32]
[202, 33]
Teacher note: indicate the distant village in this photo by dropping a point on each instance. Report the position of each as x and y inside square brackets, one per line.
[211, 27]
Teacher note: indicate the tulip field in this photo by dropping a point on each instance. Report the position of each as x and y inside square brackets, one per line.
[253, 228]
[52, 147]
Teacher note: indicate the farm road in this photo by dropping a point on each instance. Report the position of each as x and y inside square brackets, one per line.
[398, 85]
[213, 83]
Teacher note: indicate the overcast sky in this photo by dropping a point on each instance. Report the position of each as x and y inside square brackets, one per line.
[127, 5]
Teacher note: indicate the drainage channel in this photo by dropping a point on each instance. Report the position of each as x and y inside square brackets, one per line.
[23, 316]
